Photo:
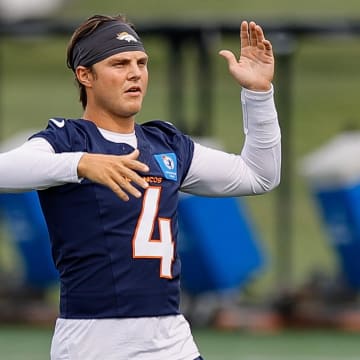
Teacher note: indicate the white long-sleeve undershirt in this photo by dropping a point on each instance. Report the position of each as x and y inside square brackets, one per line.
[35, 165]
[256, 170]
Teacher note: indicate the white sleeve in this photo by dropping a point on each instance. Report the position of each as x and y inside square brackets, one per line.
[256, 170]
[35, 166]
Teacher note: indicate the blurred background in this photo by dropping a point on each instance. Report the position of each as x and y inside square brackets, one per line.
[295, 251]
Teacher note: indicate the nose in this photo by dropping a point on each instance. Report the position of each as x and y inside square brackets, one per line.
[134, 71]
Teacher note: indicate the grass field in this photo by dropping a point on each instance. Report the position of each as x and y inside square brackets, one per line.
[24, 343]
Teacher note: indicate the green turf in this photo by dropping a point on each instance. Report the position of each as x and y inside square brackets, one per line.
[283, 346]
[25, 343]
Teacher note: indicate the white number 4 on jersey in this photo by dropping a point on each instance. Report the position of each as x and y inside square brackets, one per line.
[143, 244]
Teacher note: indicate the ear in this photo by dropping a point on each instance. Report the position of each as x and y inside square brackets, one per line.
[84, 76]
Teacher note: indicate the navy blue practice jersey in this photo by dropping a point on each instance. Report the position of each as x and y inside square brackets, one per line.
[116, 258]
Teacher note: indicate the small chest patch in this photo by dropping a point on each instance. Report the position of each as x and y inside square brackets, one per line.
[168, 165]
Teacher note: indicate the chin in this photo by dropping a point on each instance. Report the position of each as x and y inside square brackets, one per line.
[129, 114]
[134, 111]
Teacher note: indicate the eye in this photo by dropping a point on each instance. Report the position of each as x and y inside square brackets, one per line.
[142, 62]
[119, 64]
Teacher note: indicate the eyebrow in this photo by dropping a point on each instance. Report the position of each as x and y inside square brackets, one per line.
[128, 59]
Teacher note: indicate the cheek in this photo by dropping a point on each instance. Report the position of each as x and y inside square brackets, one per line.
[113, 82]
[113, 78]
[107, 91]
[145, 80]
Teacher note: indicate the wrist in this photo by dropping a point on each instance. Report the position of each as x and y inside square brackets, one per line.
[258, 94]
[259, 87]
[81, 166]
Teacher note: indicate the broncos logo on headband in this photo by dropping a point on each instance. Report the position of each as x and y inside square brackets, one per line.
[104, 42]
[126, 36]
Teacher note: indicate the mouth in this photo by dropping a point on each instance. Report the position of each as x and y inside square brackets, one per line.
[133, 90]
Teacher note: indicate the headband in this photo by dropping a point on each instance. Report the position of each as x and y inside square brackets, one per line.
[110, 38]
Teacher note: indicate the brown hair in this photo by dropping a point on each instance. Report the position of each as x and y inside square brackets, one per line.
[85, 29]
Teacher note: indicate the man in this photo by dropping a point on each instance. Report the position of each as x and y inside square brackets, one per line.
[109, 192]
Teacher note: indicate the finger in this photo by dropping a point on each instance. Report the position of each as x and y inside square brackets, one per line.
[134, 163]
[121, 171]
[229, 56]
[122, 187]
[253, 34]
[263, 44]
[126, 186]
[244, 34]
[118, 191]
[134, 177]
[137, 165]
[267, 45]
[260, 46]
[259, 33]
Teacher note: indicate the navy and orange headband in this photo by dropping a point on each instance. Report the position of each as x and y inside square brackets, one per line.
[108, 39]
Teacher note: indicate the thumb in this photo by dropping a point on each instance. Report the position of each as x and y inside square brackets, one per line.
[229, 56]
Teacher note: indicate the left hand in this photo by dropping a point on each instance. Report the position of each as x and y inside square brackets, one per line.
[255, 68]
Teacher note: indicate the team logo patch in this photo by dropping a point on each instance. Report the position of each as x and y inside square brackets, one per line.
[126, 37]
[168, 165]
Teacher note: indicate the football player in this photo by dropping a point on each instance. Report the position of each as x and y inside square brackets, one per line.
[109, 186]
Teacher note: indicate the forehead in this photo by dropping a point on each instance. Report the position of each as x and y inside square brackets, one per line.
[127, 55]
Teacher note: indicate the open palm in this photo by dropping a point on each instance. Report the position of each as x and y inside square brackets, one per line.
[255, 68]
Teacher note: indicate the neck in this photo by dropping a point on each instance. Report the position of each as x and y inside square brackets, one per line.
[104, 120]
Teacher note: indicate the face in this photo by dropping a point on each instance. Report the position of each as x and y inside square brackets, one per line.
[118, 84]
